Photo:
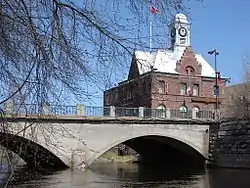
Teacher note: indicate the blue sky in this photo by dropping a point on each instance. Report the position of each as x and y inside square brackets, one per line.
[222, 25]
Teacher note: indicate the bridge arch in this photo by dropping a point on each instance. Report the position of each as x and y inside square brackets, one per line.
[34, 154]
[175, 141]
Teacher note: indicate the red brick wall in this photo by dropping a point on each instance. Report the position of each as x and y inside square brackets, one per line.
[146, 93]
[144, 96]
[140, 93]
[172, 99]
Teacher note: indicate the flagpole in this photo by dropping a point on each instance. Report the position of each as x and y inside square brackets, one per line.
[150, 35]
[152, 10]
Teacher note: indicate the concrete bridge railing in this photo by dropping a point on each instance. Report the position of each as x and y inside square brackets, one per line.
[108, 111]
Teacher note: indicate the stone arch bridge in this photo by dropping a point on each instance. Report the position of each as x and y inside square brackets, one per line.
[77, 142]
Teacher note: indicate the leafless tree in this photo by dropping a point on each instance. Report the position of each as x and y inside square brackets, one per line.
[237, 101]
[55, 49]
[50, 48]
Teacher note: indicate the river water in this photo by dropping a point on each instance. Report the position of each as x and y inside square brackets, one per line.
[132, 176]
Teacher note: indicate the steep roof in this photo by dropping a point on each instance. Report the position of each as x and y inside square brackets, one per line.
[165, 61]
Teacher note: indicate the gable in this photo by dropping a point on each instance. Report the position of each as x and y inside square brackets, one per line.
[188, 62]
[133, 70]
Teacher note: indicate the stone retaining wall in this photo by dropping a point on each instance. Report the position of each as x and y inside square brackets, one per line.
[231, 146]
[213, 135]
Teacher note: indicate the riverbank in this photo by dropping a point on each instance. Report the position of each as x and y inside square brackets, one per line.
[111, 156]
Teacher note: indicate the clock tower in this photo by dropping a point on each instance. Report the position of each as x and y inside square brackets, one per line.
[179, 32]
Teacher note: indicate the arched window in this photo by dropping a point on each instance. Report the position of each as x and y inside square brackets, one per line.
[160, 111]
[183, 111]
[189, 71]
[196, 109]
[195, 112]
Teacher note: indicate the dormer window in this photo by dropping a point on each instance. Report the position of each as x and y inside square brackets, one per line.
[189, 71]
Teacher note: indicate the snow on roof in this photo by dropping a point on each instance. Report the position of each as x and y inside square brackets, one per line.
[207, 70]
[165, 61]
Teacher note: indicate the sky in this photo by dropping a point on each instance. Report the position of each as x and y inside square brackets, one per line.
[221, 25]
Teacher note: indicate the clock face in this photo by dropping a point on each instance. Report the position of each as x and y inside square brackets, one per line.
[183, 31]
[173, 32]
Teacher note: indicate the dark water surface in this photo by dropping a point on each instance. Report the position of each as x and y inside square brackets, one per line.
[133, 176]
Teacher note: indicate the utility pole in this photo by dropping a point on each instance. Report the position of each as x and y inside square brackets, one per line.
[216, 89]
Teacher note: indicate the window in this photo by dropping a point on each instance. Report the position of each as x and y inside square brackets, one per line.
[195, 90]
[161, 88]
[116, 95]
[128, 93]
[216, 90]
[183, 89]
[195, 112]
[196, 109]
[122, 93]
[132, 93]
[161, 111]
[189, 71]
[183, 111]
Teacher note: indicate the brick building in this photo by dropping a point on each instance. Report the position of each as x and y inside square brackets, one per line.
[175, 78]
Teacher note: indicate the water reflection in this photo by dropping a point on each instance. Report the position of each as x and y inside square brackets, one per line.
[229, 178]
[133, 176]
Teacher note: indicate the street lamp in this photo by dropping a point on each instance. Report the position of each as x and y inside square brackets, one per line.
[216, 79]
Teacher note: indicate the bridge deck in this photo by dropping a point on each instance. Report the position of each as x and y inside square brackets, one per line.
[96, 119]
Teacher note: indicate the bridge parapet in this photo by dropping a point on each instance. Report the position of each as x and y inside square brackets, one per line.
[108, 111]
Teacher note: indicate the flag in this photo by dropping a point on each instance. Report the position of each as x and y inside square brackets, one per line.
[152, 7]
[153, 10]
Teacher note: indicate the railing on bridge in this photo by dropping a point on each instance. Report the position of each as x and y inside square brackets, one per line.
[110, 111]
